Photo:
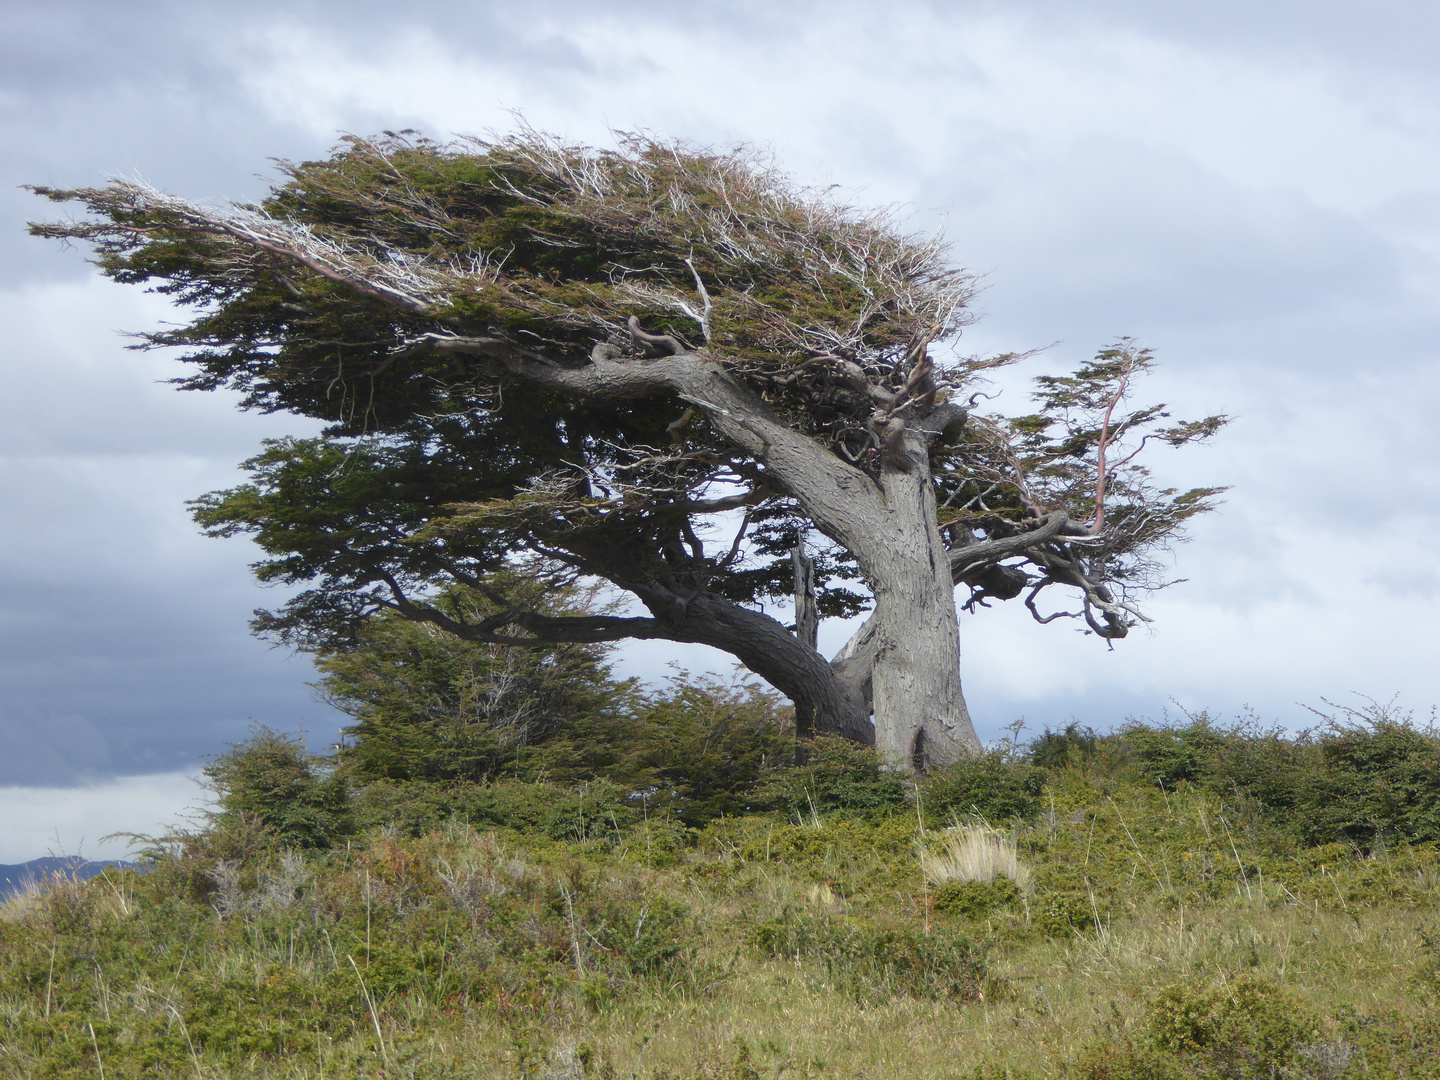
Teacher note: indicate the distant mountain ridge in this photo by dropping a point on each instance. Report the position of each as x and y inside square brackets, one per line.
[14, 878]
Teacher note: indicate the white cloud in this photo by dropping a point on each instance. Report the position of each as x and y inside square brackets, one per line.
[945, 89]
[123, 645]
[72, 821]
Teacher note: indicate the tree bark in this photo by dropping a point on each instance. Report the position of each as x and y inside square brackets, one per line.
[920, 714]
[807, 627]
[768, 649]
[890, 527]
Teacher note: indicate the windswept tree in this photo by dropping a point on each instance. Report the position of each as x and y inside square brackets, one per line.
[653, 365]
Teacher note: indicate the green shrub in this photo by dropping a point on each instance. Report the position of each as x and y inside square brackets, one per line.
[435, 710]
[976, 899]
[1244, 1028]
[1381, 779]
[995, 786]
[1062, 914]
[1170, 755]
[273, 780]
[649, 937]
[1124, 1059]
[837, 775]
[1388, 1043]
[1372, 775]
[541, 808]
[409, 808]
[559, 811]
[1271, 770]
[1072, 745]
[875, 962]
[855, 854]
[700, 748]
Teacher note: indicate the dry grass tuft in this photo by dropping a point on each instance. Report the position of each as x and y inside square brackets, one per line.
[973, 853]
[36, 894]
[24, 904]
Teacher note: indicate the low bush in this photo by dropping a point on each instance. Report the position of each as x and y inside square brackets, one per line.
[272, 780]
[1062, 913]
[838, 775]
[1368, 777]
[1171, 755]
[1245, 1028]
[855, 855]
[976, 899]
[541, 808]
[871, 962]
[1072, 745]
[996, 786]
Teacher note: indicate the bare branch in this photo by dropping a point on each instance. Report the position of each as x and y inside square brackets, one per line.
[964, 560]
[1043, 619]
[704, 317]
[1099, 521]
[735, 547]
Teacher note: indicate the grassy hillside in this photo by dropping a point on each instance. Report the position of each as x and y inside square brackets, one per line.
[1159, 903]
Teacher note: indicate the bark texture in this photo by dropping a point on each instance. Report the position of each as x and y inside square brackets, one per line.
[807, 628]
[915, 673]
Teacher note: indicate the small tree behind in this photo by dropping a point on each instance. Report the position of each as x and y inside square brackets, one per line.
[436, 711]
[273, 780]
[701, 746]
[430, 706]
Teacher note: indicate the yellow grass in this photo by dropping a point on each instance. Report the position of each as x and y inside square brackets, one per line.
[973, 853]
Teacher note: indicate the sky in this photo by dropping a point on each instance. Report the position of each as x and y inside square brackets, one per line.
[1252, 191]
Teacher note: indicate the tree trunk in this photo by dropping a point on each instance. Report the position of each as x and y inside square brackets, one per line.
[807, 628]
[768, 649]
[889, 527]
[920, 715]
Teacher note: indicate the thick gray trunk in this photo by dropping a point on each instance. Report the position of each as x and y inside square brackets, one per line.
[920, 714]
[889, 527]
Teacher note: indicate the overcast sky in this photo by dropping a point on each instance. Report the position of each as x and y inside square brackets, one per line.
[1251, 190]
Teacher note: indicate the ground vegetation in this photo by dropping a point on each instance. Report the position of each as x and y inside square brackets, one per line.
[1154, 907]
